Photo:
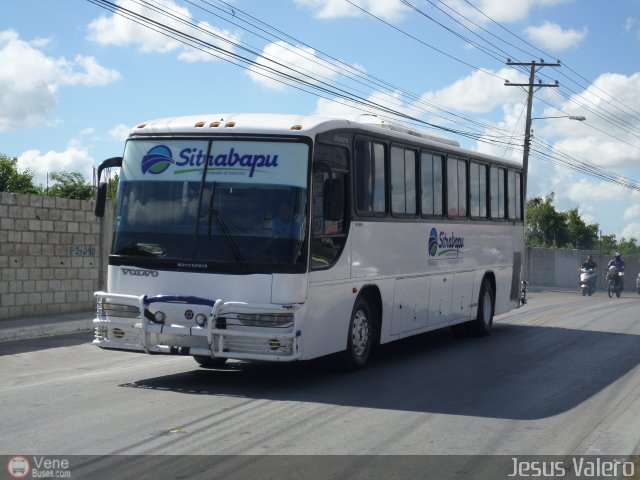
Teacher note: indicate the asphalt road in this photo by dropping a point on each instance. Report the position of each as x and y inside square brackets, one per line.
[560, 376]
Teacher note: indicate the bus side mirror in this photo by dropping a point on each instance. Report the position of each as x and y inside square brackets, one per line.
[101, 195]
[101, 199]
[334, 199]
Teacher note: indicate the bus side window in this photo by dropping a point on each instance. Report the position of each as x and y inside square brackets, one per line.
[478, 190]
[403, 181]
[431, 181]
[515, 195]
[456, 187]
[497, 192]
[370, 177]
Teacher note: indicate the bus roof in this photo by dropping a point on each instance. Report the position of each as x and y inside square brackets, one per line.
[303, 125]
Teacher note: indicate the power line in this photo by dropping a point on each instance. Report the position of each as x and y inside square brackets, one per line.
[277, 71]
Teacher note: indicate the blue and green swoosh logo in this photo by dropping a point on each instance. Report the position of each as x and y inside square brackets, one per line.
[157, 160]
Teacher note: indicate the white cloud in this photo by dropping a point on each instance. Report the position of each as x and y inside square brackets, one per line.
[629, 24]
[88, 132]
[92, 74]
[27, 100]
[552, 36]
[632, 212]
[500, 10]
[75, 158]
[326, 9]
[598, 141]
[632, 230]
[583, 191]
[336, 108]
[119, 31]
[479, 92]
[120, 132]
[299, 62]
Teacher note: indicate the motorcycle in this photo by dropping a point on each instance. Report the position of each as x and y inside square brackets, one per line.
[587, 281]
[614, 281]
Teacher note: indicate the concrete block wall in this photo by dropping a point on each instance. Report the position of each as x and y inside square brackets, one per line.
[52, 254]
[555, 267]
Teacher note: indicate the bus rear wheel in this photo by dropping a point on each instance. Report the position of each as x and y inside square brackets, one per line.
[359, 338]
[209, 362]
[483, 324]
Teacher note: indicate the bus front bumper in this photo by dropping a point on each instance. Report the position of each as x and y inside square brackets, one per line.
[183, 325]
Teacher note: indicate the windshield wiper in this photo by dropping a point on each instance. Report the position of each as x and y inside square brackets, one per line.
[215, 215]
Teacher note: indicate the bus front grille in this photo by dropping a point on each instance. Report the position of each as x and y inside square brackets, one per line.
[255, 345]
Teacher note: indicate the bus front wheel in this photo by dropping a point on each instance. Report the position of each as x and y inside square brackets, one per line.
[359, 338]
[209, 362]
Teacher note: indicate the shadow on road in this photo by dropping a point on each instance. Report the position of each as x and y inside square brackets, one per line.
[520, 372]
[43, 343]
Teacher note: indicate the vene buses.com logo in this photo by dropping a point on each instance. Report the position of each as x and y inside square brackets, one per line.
[157, 160]
[18, 467]
[443, 245]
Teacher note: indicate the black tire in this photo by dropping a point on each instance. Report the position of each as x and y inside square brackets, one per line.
[483, 324]
[359, 338]
[210, 362]
[584, 291]
[618, 292]
[610, 290]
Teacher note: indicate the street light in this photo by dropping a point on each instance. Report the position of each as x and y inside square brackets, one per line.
[579, 118]
[527, 142]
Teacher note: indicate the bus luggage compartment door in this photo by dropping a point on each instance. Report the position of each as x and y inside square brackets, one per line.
[410, 304]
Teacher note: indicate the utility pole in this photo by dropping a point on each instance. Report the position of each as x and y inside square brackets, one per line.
[532, 88]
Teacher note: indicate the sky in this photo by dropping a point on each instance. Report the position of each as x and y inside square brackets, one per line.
[75, 78]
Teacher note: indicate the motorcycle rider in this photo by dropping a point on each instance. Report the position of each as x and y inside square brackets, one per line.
[619, 264]
[591, 265]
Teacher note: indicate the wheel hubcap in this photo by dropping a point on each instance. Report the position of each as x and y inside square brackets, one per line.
[486, 309]
[360, 333]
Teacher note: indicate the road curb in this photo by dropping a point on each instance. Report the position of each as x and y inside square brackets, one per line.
[23, 332]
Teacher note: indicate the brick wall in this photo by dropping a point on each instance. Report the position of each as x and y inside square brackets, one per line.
[52, 254]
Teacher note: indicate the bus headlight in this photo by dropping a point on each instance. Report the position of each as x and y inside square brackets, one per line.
[105, 310]
[159, 317]
[280, 320]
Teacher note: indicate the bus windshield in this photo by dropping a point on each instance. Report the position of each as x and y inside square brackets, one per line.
[232, 204]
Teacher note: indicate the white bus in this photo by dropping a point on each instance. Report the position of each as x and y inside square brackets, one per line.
[283, 238]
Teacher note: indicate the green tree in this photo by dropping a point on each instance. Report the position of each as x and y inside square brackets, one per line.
[546, 227]
[112, 186]
[581, 235]
[69, 185]
[11, 180]
[629, 247]
[608, 244]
